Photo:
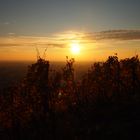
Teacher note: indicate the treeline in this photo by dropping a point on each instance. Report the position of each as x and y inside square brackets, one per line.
[50, 104]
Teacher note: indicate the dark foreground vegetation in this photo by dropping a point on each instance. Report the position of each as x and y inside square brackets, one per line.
[48, 104]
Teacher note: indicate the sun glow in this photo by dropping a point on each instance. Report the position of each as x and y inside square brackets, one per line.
[75, 48]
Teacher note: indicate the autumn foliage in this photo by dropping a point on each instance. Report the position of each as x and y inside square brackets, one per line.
[52, 104]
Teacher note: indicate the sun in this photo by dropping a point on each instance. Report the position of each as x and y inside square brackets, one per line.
[75, 48]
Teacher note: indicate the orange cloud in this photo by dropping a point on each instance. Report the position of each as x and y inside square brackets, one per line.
[61, 40]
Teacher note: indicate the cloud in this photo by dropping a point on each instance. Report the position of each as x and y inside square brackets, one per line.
[62, 40]
[28, 41]
[115, 35]
[6, 23]
[11, 34]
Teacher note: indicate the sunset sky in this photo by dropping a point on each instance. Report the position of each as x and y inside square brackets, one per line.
[98, 27]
